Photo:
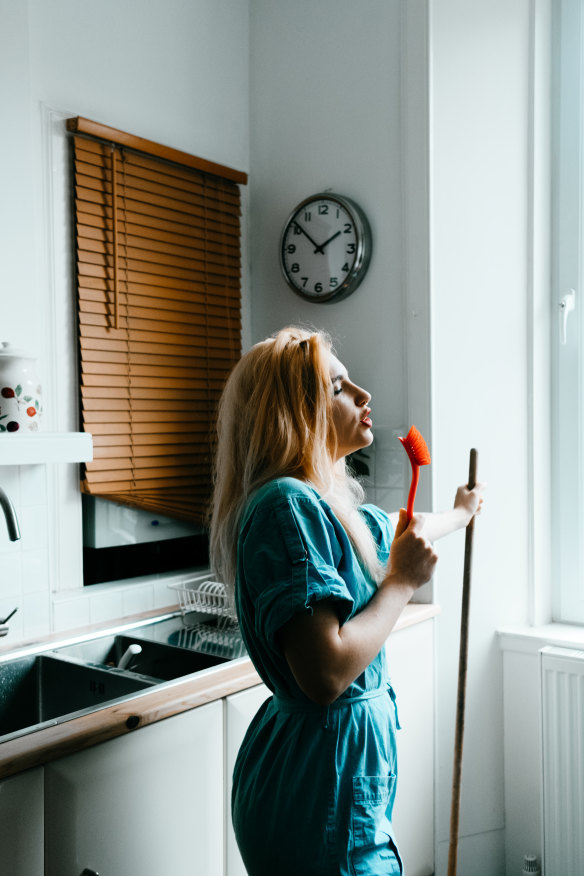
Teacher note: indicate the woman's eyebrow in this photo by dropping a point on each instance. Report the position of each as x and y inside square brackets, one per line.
[338, 377]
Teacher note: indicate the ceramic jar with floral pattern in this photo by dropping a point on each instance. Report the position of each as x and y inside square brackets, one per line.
[20, 391]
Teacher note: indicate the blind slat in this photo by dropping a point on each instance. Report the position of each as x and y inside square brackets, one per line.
[164, 264]
[144, 228]
[93, 174]
[91, 153]
[168, 209]
[188, 198]
[97, 240]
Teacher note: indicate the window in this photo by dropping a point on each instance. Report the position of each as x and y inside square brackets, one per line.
[158, 281]
[568, 338]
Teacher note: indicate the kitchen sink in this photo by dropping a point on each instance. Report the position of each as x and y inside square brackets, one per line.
[153, 659]
[63, 680]
[41, 689]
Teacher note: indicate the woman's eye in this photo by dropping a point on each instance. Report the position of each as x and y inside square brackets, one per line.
[337, 390]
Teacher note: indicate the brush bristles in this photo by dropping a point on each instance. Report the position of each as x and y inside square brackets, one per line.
[416, 447]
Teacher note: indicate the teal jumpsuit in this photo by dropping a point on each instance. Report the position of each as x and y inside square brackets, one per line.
[313, 786]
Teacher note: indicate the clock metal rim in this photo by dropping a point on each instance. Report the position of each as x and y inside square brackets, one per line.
[362, 258]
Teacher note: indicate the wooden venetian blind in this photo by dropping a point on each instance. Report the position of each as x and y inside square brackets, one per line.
[158, 269]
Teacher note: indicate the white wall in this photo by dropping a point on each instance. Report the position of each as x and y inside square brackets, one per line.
[326, 113]
[174, 72]
[337, 92]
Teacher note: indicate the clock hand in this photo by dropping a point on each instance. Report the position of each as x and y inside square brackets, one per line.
[300, 228]
[326, 243]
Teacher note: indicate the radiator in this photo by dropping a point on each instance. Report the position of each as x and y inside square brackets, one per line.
[562, 677]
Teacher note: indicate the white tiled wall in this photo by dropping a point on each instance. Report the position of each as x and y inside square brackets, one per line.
[389, 469]
[25, 563]
[28, 576]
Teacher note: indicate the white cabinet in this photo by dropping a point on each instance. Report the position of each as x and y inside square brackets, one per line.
[410, 657]
[239, 711]
[149, 802]
[21, 824]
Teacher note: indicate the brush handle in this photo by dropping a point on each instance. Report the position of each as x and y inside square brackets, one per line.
[462, 672]
[413, 488]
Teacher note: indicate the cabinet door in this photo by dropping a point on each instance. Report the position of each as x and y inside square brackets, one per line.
[149, 802]
[21, 824]
[240, 709]
[410, 658]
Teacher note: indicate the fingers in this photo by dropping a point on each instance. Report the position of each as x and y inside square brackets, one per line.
[402, 523]
[471, 500]
[412, 556]
[478, 493]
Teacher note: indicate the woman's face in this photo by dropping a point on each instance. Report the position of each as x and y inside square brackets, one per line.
[350, 411]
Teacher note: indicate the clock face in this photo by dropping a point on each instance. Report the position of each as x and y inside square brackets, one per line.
[325, 248]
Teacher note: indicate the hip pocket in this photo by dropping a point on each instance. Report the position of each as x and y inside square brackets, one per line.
[373, 849]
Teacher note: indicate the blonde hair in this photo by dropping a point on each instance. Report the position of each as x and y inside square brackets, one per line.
[275, 420]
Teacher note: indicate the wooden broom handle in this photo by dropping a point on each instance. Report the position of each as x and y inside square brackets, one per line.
[461, 694]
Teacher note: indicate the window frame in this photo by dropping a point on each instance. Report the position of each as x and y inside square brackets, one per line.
[567, 464]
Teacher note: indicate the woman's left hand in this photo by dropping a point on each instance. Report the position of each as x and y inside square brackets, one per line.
[470, 501]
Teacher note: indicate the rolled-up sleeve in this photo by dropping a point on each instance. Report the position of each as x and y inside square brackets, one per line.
[290, 555]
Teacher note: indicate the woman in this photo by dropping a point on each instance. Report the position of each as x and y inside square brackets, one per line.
[319, 581]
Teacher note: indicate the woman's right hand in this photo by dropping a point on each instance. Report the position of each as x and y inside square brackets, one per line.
[412, 558]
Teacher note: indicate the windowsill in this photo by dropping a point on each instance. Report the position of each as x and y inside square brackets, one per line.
[532, 639]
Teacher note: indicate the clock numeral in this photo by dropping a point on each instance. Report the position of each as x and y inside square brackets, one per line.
[318, 287]
[333, 282]
[307, 216]
[291, 248]
[304, 280]
[351, 247]
[345, 267]
[323, 209]
[295, 268]
[348, 228]
[297, 229]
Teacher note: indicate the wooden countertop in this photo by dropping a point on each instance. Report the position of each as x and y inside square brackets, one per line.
[147, 707]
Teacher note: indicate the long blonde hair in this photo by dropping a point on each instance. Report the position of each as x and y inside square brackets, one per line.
[275, 420]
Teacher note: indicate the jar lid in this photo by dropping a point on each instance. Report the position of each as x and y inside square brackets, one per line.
[7, 350]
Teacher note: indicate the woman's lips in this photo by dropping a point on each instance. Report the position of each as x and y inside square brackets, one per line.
[366, 421]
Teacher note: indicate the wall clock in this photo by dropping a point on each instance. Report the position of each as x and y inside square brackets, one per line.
[325, 248]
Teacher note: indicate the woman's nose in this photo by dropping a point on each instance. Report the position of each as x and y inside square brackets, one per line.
[363, 397]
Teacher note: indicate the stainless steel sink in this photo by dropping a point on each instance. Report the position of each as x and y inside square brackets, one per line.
[63, 680]
[158, 661]
[38, 690]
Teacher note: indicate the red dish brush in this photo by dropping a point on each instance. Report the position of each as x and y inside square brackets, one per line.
[418, 452]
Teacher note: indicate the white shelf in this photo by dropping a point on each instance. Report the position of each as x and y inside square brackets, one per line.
[43, 447]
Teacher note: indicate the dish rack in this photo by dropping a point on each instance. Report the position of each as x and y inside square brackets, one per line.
[218, 635]
[204, 595]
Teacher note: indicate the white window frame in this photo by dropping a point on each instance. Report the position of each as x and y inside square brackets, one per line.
[567, 276]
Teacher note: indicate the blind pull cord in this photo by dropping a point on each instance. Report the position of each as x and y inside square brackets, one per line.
[115, 233]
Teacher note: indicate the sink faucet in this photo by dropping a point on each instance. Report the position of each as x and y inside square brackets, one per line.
[10, 515]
